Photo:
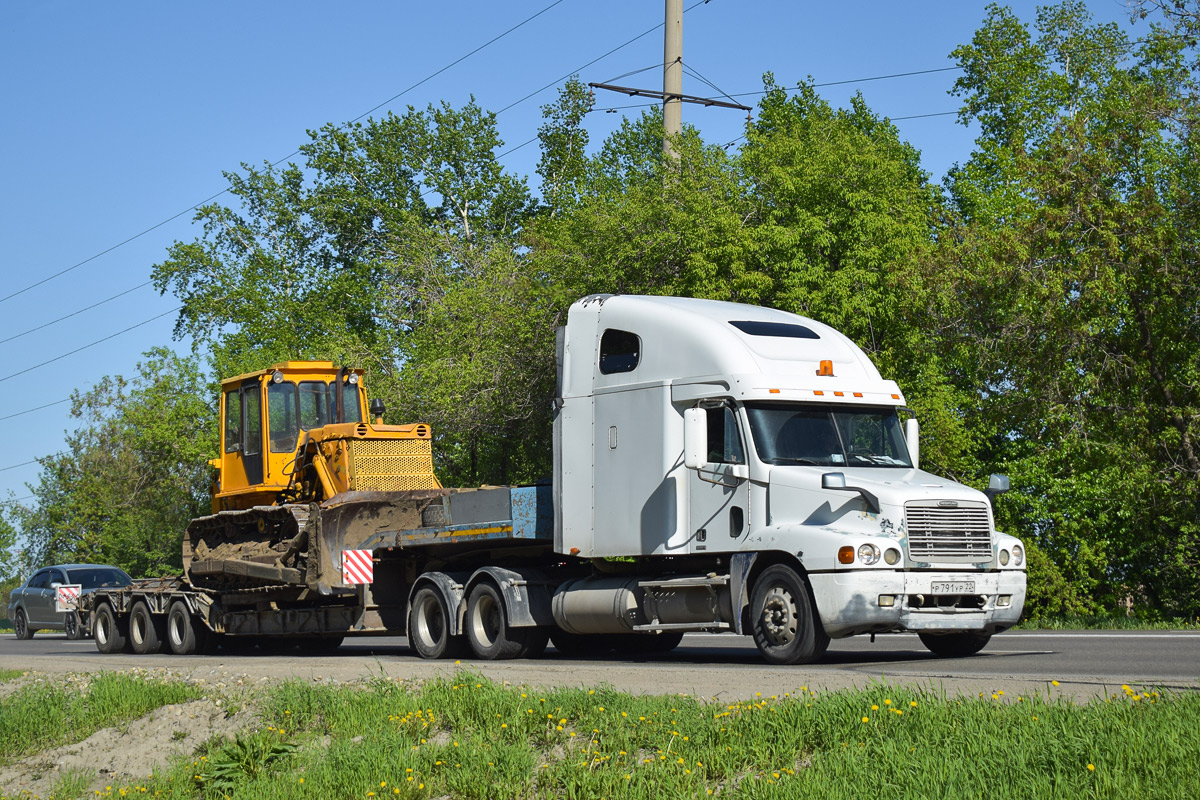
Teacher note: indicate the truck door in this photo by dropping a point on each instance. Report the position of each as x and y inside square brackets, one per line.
[718, 501]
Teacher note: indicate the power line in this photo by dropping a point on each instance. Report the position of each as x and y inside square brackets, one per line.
[74, 313]
[38, 408]
[17, 466]
[90, 344]
[209, 199]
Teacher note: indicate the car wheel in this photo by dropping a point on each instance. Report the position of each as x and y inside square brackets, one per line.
[21, 625]
[108, 631]
[72, 626]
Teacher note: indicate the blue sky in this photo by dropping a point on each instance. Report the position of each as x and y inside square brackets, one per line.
[118, 117]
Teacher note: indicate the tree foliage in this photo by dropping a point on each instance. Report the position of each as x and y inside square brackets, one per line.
[133, 473]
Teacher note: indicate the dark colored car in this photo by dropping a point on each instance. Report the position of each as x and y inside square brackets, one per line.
[32, 607]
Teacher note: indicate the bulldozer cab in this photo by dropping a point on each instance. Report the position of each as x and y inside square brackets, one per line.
[289, 432]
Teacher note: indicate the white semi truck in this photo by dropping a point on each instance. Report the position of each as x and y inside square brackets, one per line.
[717, 467]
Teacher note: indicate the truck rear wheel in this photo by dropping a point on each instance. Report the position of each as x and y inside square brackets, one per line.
[108, 631]
[185, 634]
[145, 630]
[783, 618]
[429, 626]
[488, 631]
[955, 645]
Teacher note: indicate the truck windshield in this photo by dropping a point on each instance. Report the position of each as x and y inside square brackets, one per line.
[786, 433]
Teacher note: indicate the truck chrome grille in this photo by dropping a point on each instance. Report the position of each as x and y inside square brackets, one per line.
[937, 533]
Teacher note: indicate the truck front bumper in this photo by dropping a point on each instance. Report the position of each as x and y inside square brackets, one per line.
[884, 601]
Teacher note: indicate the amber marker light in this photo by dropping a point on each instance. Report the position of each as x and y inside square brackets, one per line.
[846, 555]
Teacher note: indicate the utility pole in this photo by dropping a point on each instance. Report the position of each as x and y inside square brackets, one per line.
[672, 75]
[672, 95]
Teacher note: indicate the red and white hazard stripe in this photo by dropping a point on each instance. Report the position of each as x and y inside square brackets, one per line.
[66, 596]
[357, 567]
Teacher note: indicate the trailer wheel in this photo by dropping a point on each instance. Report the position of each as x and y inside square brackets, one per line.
[145, 630]
[21, 625]
[72, 626]
[429, 626]
[185, 634]
[108, 631]
[955, 645]
[783, 618]
[488, 631]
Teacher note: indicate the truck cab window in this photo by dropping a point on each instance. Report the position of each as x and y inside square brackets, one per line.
[820, 436]
[724, 441]
[620, 351]
[283, 421]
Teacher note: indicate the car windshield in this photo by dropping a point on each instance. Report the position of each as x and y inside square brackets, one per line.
[95, 577]
[823, 436]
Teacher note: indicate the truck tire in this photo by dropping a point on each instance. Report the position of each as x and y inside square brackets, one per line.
[21, 625]
[108, 631]
[955, 645]
[488, 631]
[72, 626]
[146, 632]
[429, 626]
[185, 634]
[783, 618]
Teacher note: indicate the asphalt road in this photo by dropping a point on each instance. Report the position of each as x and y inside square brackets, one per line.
[1085, 664]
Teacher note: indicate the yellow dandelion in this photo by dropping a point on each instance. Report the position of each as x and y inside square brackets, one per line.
[866, 719]
[1091, 767]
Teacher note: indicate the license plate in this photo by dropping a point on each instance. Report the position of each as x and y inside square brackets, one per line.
[952, 587]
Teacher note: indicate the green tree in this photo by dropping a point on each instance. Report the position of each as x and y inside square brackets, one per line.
[133, 473]
[1074, 261]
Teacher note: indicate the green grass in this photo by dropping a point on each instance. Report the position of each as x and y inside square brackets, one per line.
[471, 738]
[43, 715]
[10, 674]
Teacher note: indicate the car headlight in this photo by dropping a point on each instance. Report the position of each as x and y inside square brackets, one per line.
[1018, 555]
[868, 554]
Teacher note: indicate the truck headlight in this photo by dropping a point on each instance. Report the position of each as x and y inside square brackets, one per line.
[891, 556]
[1018, 555]
[1004, 558]
[868, 554]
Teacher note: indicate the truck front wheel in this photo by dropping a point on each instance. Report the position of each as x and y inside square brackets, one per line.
[185, 634]
[955, 645]
[145, 630]
[783, 618]
[488, 630]
[108, 631]
[429, 626]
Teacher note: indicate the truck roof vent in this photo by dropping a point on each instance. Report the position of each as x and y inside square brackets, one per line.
[786, 330]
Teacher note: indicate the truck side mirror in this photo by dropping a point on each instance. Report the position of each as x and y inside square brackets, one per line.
[912, 435]
[997, 484]
[695, 438]
[837, 482]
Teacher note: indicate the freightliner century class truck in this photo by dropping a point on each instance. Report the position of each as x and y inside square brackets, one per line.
[717, 467]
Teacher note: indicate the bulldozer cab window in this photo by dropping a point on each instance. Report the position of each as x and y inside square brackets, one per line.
[317, 404]
[233, 421]
[252, 420]
[283, 421]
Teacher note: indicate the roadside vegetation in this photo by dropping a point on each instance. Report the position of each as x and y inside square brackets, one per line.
[468, 737]
[46, 713]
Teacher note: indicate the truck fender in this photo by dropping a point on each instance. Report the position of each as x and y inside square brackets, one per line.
[526, 594]
[740, 567]
[450, 586]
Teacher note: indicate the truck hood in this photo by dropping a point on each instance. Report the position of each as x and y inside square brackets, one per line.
[796, 496]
